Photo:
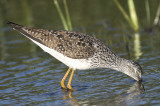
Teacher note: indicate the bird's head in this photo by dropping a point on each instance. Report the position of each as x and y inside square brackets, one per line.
[132, 69]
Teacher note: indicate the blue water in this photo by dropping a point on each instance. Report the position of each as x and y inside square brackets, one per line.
[29, 76]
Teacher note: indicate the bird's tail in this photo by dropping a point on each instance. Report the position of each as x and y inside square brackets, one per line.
[31, 33]
[15, 26]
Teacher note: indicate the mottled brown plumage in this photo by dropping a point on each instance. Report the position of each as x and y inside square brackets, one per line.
[72, 44]
[79, 51]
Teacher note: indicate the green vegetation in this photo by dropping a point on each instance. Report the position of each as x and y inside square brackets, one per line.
[132, 19]
[148, 12]
[66, 21]
[133, 22]
[156, 20]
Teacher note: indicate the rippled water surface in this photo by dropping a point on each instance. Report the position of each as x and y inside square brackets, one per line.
[29, 76]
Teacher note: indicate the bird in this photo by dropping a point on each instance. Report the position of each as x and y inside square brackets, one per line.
[78, 51]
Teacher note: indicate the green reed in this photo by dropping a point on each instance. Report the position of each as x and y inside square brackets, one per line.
[148, 14]
[132, 17]
[156, 20]
[65, 18]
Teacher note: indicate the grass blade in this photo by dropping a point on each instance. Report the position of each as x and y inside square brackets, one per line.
[61, 15]
[148, 12]
[133, 15]
[68, 19]
[157, 16]
[123, 12]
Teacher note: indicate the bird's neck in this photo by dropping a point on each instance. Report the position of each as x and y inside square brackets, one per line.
[119, 64]
[123, 66]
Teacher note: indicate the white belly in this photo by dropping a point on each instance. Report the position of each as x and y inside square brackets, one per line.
[80, 64]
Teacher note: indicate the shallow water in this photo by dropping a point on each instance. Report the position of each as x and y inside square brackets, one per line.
[29, 76]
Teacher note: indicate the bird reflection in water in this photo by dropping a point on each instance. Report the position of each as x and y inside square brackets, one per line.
[131, 96]
[134, 93]
[69, 97]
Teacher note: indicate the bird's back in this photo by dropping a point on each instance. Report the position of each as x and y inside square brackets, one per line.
[72, 44]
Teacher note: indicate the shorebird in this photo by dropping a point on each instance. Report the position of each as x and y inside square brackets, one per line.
[78, 51]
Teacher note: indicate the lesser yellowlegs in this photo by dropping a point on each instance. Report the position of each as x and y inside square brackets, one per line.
[78, 51]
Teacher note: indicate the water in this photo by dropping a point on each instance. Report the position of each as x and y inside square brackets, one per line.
[29, 76]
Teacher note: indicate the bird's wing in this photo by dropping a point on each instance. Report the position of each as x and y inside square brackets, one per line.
[72, 44]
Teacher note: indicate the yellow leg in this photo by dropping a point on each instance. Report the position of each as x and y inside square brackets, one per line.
[64, 78]
[70, 80]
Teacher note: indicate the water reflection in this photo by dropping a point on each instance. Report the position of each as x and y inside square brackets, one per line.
[134, 93]
[131, 97]
[69, 97]
[137, 46]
